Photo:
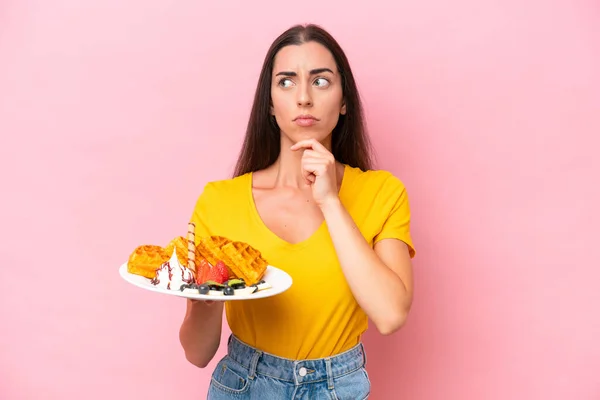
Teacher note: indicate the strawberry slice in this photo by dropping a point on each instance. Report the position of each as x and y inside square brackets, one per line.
[203, 271]
[223, 271]
[215, 274]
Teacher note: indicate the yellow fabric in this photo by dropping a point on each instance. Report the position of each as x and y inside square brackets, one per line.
[318, 316]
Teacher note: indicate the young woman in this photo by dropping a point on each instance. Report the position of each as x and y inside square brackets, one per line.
[305, 194]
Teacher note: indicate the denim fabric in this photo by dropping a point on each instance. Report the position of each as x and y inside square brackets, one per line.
[246, 373]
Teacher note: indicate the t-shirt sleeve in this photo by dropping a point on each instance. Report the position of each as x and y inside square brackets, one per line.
[394, 201]
[202, 212]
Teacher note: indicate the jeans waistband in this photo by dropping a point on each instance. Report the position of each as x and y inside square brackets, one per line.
[296, 371]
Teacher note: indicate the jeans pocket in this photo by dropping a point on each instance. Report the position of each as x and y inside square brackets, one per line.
[353, 386]
[230, 377]
[364, 370]
[368, 384]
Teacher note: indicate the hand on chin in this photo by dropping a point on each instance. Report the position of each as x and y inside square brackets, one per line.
[318, 169]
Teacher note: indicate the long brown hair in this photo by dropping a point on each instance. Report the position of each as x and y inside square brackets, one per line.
[261, 146]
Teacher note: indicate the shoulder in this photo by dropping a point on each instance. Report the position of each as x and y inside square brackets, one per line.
[375, 192]
[225, 190]
[227, 186]
[375, 181]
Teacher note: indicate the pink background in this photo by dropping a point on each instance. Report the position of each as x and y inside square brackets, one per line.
[114, 114]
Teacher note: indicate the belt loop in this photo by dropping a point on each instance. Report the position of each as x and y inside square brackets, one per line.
[253, 363]
[329, 373]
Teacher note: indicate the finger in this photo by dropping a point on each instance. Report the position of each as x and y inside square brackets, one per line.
[308, 153]
[310, 144]
[308, 176]
[318, 159]
[313, 156]
[315, 168]
[315, 161]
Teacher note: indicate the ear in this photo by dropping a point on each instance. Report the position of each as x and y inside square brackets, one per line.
[343, 109]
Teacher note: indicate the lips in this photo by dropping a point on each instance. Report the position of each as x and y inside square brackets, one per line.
[305, 120]
[305, 117]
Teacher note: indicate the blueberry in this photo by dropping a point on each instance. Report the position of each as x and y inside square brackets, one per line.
[228, 291]
[203, 289]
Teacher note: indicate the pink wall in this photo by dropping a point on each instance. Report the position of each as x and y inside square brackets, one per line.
[114, 114]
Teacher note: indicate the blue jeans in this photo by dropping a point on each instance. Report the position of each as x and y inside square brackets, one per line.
[246, 373]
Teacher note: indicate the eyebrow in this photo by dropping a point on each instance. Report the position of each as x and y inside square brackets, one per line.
[312, 72]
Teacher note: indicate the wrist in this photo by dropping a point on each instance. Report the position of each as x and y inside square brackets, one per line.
[331, 204]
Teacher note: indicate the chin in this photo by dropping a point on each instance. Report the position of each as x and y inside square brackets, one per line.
[307, 134]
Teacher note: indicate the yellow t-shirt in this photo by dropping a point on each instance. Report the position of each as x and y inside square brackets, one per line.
[318, 316]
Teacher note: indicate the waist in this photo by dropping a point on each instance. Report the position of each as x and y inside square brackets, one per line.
[296, 371]
[294, 328]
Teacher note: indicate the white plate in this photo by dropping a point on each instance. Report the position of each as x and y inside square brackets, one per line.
[279, 280]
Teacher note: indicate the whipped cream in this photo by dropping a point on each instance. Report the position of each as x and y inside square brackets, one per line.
[171, 275]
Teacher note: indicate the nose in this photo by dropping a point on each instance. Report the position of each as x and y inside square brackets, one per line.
[304, 98]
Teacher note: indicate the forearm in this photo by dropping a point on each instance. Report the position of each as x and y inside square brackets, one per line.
[378, 290]
[200, 332]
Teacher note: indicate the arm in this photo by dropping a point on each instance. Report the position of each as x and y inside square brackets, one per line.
[200, 332]
[380, 278]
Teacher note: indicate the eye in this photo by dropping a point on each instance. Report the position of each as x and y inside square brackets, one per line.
[285, 82]
[321, 82]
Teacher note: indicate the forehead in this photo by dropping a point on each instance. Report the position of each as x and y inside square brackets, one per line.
[303, 57]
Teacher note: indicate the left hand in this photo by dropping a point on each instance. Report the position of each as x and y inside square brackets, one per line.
[319, 170]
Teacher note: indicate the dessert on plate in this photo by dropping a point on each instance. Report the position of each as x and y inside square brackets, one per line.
[171, 275]
[242, 260]
[146, 259]
[215, 266]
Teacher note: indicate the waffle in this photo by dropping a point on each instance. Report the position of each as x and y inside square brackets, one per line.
[146, 259]
[244, 261]
[209, 247]
[180, 246]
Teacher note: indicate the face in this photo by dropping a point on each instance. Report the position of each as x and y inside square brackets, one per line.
[306, 93]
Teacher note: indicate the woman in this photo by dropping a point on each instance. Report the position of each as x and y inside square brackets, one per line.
[305, 195]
